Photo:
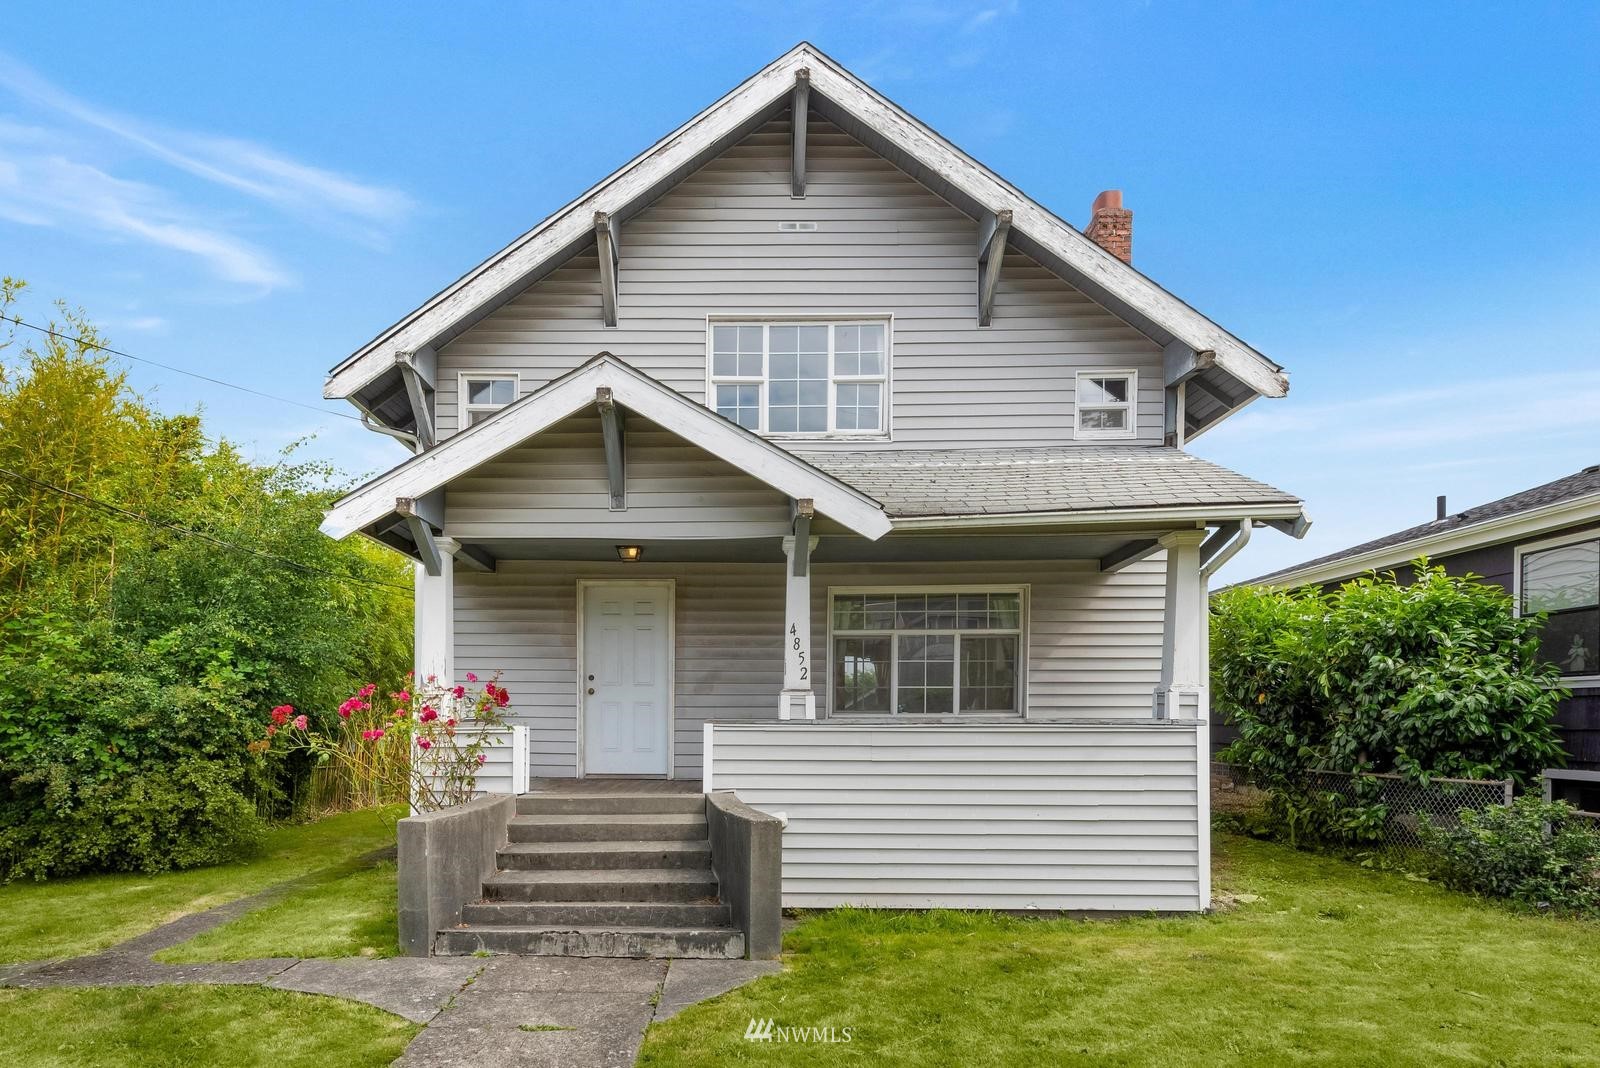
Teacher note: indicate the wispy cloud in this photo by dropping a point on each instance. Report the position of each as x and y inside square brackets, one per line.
[1476, 411]
[43, 190]
[231, 162]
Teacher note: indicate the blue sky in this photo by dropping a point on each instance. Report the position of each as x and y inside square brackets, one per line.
[1397, 202]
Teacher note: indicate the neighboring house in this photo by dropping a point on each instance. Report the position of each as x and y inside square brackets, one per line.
[1543, 546]
[807, 457]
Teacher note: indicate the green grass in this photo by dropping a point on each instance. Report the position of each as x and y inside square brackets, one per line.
[348, 912]
[186, 1026]
[1332, 964]
[70, 917]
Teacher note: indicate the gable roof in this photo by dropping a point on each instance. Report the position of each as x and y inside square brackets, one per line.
[574, 391]
[1569, 500]
[865, 114]
[1031, 482]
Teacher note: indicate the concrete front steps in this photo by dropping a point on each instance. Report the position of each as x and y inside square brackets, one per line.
[601, 875]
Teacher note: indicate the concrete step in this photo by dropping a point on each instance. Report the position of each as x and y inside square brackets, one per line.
[595, 914]
[645, 884]
[699, 942]
[610, 827]
[533, 856]
[563, 804]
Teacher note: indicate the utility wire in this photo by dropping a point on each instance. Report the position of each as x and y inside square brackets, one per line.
[219, 542]
[85, 342]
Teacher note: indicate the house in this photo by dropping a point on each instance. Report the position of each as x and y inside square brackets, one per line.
[1543, 547]
[806, 458]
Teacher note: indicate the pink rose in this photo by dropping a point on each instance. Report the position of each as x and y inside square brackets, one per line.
[482, 758]
[299, 723]
[281, 714]
[427, 715]
[471, 677]
[459, 692]
[368, 690]
[424, 744]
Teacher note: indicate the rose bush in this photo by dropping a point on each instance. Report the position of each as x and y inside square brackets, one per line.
[421, 742]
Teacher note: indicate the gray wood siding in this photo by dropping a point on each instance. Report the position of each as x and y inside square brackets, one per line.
[554, 486]
[1061, 816]
[1094, 640]
[884, 245]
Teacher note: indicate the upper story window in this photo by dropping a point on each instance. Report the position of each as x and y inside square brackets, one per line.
[1105, 404]
[482, 395]
[1564, 581]
[802, 378]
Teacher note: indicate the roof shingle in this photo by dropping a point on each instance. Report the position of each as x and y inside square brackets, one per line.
[952, 482]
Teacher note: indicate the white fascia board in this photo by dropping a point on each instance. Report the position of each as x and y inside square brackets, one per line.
[674, 412]
[1446, 543]
[1187, 514]
[496, 278]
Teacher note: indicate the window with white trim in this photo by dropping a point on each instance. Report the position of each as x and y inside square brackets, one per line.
[927, 653]
[483, 395]
[1564, 582]
[1105, 402]
[802, 378]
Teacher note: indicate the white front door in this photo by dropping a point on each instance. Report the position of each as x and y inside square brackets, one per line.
[624, 678]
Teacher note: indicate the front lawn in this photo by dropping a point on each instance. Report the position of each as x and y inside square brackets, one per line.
[71, 917]
[349, 912]
[186, 1026]
[1323, 963]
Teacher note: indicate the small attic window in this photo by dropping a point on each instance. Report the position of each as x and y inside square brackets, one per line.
[484, 394]
[1105, 404]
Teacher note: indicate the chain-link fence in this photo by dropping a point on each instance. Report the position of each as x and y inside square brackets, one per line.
[1406, 802]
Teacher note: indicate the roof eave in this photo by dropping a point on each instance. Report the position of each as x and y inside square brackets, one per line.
[1288, 512]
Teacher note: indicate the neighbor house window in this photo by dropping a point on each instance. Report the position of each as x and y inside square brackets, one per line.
[1105, 404]
[808, 378]
[927, 653]
[483, 395]
[1564, 581]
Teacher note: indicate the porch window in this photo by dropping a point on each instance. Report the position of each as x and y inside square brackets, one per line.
[805, 378]
[1564, 581]
[483, 395]
[1105, 404]
[927, 653]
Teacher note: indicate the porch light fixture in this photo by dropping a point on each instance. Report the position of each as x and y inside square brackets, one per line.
[629, 553]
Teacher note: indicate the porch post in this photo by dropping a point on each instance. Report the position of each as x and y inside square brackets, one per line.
[1183, 692]
[797, 701]
[435, 619]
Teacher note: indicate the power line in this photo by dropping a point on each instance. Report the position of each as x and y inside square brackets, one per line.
[211, 539]
[176, 370]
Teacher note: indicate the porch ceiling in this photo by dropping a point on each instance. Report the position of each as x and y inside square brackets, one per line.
[841, 549]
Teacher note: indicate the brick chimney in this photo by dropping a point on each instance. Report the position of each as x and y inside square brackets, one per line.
[1111, 225]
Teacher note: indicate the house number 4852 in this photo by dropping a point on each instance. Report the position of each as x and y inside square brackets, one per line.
[799, 653]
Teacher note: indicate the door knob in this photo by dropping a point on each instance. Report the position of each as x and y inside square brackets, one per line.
[591, 691]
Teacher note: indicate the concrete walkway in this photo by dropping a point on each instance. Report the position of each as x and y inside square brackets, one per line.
[557, 1011]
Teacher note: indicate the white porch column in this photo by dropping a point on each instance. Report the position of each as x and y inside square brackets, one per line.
[434, 635]
[798, 700]
[1183, 692]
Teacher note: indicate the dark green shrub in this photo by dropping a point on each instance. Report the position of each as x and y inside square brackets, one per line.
[1534, 852]
[183, 816]
[1435, 678]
